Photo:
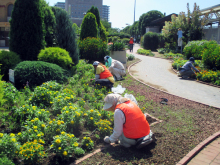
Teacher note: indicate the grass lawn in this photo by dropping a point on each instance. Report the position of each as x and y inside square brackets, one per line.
[185, 124]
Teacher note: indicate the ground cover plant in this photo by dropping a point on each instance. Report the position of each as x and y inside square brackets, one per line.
[145, 52]
[185, 124]
[53, 122]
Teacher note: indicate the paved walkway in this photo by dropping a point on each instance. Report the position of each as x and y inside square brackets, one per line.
[157, 72]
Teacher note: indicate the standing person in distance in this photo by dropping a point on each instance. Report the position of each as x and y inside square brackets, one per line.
[115, 67]
[131, 43]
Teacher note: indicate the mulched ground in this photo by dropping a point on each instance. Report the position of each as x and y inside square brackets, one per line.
[185, 124]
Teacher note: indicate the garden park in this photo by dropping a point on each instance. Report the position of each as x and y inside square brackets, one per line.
[52, 113]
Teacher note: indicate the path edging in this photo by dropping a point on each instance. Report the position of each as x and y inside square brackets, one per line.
[198, 148]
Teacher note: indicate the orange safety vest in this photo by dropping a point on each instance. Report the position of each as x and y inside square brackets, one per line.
[136, 125]
[105, 74]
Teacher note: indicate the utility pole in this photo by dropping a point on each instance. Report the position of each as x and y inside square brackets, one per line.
[134, 9]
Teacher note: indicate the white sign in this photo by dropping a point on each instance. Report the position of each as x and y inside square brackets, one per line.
[11, 75]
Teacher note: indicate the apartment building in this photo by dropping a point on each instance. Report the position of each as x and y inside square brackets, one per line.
[105, 12]
[6, 7]
[78, 8]
[60, 4]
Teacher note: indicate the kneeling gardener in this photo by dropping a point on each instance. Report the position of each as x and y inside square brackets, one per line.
[130, 124]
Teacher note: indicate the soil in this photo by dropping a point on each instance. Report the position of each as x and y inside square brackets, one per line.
[185, 124]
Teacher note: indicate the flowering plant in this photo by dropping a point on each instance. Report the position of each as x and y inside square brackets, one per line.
[8, 145]
[87, 143]
[64, 145]
[104, 127]
[31, 152]
[91, 117]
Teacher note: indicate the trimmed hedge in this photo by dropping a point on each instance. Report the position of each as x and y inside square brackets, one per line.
[151, 41]
[8, 60]
[196, 48]
[57, 56]
[37, 72]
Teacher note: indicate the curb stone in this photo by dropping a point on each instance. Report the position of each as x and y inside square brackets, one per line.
[198, 148]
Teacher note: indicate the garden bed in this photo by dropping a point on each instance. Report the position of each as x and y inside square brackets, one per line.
[185, 124]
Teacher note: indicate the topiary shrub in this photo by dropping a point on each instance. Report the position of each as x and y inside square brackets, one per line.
[93, 49]
[151, 41]
[57, 56]
[8, 60]
[37, 72]
[211, 56]
[125, 41]
[89, 27]
[196, 48]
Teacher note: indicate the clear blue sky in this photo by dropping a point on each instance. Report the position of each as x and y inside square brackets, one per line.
[122, 11]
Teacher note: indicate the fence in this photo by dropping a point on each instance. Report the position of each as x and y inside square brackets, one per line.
[212, 33]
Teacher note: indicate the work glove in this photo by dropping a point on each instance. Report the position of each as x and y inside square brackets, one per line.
[107, 140]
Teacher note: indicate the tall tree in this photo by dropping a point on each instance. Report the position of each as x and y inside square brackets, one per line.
[147, 18]
[95, 11]
[50, 24]
[27, 34]
[89, 26]
[65, 34]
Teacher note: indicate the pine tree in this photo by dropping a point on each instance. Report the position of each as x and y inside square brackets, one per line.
[65, 34]
[27, 35]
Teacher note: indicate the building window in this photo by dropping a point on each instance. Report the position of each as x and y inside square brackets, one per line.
[10, 8]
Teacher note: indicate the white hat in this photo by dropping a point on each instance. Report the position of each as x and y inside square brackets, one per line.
[110, 100]
[96, 63]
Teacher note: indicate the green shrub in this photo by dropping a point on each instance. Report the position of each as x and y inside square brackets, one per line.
[37, 72]
[151, 41]
[8, 60]
[89, 27]
[125, 41]
[145, 52]
[103, 33]
[116, 46]
[196, 48]
[57, 56]
[162, 50]
[5, 161]
[65, 34]
[173, 55]
[93, 49]
[142, 41]
[27, 31]
[211, 56]
[130, 57]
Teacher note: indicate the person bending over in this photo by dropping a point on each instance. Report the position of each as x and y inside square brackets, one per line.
[103, 75]
[186, 70]
[130, 125]
[115, 67]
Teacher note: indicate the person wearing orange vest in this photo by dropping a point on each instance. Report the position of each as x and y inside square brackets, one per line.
[103, 75]
[131, 43]
[130, 124]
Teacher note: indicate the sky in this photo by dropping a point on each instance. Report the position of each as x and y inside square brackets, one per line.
[122, 11]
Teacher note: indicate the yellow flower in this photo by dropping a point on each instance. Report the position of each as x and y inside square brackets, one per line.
[19, 133]
[87, 145]
[75, 144]
[64, 153]
[63, 133]
[84, 138]
[67, 111]
[58, 141]
[13, 139]
[58, 123]
[36, 119]
[38, 135]
[39, 112]
[43, 125]
[50, 122]
[91, 118]
[91, 110]
[72, 122]
[35, 127]
[59, 148]
[1, 134]
[12, 135]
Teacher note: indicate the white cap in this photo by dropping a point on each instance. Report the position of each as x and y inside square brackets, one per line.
[110, 100]
[96, 63]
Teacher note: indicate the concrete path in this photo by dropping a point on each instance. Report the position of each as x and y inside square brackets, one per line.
[157, 72]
